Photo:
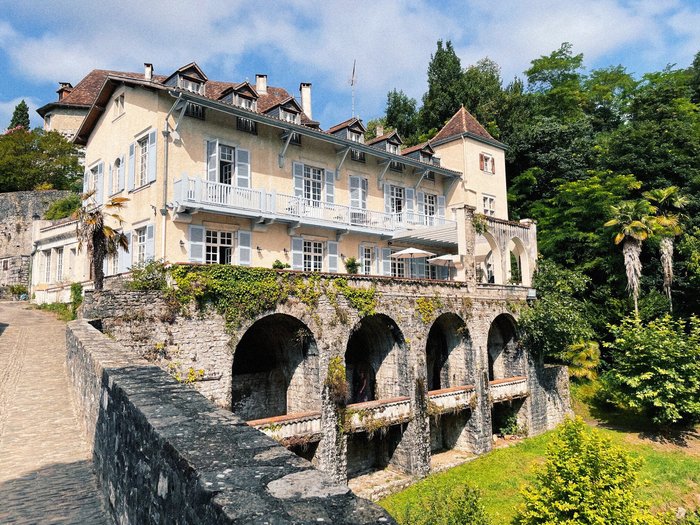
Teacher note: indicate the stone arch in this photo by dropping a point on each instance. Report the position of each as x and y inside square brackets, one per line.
[449, 358]
[376, 360]
[518, 263]
[487, 255]
[504, 355]
[275, 369]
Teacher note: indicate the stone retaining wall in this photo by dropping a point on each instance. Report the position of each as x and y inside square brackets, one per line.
[165, 454]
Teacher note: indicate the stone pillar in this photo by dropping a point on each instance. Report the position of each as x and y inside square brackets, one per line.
[332, 453]
[466, 239]
[478, 435]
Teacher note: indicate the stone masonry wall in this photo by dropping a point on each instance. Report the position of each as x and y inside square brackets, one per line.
[164, 454]
[146, 323]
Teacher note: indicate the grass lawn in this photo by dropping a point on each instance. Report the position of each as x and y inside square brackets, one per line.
[670, 473]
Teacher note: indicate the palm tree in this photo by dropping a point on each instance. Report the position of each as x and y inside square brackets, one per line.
[582, 358]
[668, 200]
[635, 221]
[100, 239]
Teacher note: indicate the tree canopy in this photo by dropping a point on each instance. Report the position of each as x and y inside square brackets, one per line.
[20, 117]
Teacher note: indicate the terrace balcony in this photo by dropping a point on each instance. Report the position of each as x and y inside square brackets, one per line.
[509, 388]
[199, 194]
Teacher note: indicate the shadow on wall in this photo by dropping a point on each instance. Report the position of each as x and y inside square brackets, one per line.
[60, 493]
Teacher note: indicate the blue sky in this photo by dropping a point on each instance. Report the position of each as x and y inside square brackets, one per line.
[43, 42]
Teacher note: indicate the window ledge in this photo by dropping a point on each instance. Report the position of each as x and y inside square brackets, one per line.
[141, 188]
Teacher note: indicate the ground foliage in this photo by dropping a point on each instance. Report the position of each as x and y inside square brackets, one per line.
[585, 480]
[656, 369]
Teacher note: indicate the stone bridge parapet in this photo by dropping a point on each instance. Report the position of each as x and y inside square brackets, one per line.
[165, 454]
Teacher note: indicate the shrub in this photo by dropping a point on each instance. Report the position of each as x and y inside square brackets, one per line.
[656, 369]
[76, 296]
[279, 265]
[585, 480]
[352, 265]
[63, 208]
[148, 275]
[336, 381]
[462, 504]
[17, 290]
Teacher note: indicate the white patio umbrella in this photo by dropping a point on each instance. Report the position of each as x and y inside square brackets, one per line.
[444, 260]
[411, 253]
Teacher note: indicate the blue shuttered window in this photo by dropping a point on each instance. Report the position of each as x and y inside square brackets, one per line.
[132, 166]
[330, 186]
[99, 184]
[196, 238]
[212, 152]
[124, 260]
[120, 174]
[387, 198]
[441, 206]
[112, 173]
[410, 195]
[244, 247]
[332, 256]
[152, 156]
[242, 168]
[150, 243]
[298, 174]
[297, 253]
[386, 261]
[420, 199]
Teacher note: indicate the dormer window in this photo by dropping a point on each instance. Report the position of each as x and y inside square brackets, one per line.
[394, 148]
[246, 103]
[288, 116]
[356, 155]
[190, 84]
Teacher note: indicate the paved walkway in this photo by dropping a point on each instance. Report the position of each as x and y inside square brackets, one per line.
[46, 472]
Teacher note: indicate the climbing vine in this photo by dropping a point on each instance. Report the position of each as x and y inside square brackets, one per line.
[364, 300]
[426, 308]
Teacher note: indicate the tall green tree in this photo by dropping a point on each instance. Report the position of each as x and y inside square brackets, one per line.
[482, 93]
[445, 86]
[20, 116]
[96, 236]
[401, 114]
[31, 159]
[608, 94]
[634, 222]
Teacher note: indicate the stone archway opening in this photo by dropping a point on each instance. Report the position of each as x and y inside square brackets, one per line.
[377, 370]
[449, 363]
[504, 355]
[375, 360]
[487, 257]
[275, 369]
[448, 353]
[518, 263]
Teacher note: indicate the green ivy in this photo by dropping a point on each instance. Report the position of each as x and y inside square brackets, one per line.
[426, 307]
[364, 300]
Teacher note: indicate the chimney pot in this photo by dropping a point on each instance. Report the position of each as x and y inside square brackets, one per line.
[63, 89]
[148, 71]
[261, 84]
[305, 93]
[380, 130]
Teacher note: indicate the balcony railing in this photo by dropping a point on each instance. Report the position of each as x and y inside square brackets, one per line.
[451, 400]
[215, 196]
[509, 388]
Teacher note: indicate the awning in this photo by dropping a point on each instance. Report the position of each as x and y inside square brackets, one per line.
[442, 236]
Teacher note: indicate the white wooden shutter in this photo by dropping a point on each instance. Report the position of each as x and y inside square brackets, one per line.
[386, 261]
[152, 156]
[330, 186]
[244, 250]
[298, 174]
[387, 198]
[86, 179]
[332, 256]
[441, 206]
[364, 185]
[150, 252]
[212, 150]
[124, 260]
[99, 184]
[355, 192]
[196, 238]
[132, 167]
[297, 253]
[120, 173]
[420, 199]
[243, 168]
[410, 194]
[110, 179]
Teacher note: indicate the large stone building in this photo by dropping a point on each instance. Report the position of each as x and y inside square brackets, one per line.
[236, 173]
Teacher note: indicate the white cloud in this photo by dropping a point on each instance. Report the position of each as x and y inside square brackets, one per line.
[7, 108]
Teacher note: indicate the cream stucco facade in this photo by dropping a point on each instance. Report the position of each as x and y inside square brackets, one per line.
[215, 179]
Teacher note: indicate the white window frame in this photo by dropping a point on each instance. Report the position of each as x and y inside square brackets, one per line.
[367, 260]
[430, 206]
[398, 266]
[397, 199]
[193, 86]
[312, 255]
[488, 162]
[47, 266]
[118, 110]
[92, 179]
[141, 159]
[218, 246]
[489, 204]
[313, 183]
[247, 125]
[115, 175]
[59, 264]
[139, 245]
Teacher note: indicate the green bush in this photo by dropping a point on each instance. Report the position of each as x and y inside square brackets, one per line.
[63, 208]
[585, 480]
[279, 265]
[148, 275]
[76, 296]
[461, 505]
[352, 265]
[16, 290]
[656, 369]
